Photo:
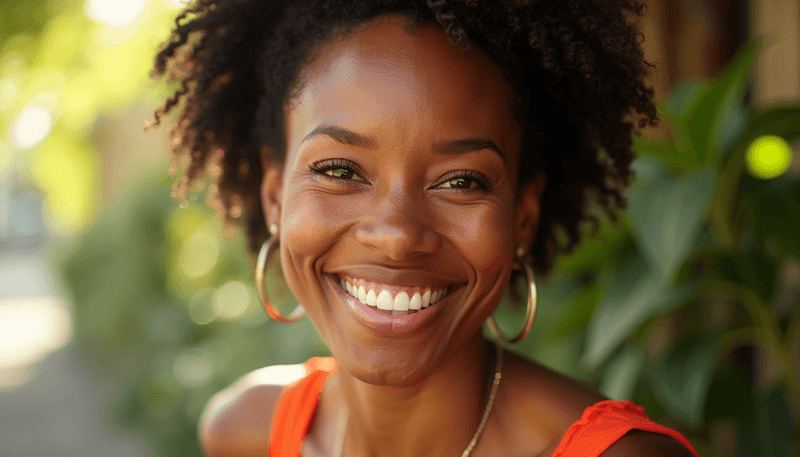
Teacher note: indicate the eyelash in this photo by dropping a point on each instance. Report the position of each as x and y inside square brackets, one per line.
[319, 168]
[483, 182]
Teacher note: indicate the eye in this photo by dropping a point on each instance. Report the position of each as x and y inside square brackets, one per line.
[459, 183]
[337, 170]
[341, 173]
[467, 180]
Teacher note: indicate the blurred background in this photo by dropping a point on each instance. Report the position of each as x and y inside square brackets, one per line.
[122, 312]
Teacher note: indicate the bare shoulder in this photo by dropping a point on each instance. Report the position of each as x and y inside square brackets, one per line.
[236, 421]
[553, 402]
[638, 443]
[543, 405]
[563, 398]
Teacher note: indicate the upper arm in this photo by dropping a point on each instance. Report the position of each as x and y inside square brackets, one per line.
[236, 422]
[637, 443]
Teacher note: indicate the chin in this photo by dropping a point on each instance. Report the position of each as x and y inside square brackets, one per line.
[384, 366]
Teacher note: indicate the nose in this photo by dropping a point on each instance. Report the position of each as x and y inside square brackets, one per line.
[399, 226]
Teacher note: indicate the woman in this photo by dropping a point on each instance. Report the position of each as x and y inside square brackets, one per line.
[406, 155]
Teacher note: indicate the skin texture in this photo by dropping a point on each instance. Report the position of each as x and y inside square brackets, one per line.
[394, 216]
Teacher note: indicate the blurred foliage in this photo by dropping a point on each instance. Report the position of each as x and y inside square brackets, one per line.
[681, 306]
[675, 306]
[174, 332]
[55, 57]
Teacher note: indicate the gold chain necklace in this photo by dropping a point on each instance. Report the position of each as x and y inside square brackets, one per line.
[498, 373]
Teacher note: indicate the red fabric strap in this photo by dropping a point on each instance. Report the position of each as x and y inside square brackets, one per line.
[600, 426]
[604, 423]
[296, 408]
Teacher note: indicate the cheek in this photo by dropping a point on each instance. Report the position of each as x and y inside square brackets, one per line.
[310, 226]
[485, 235]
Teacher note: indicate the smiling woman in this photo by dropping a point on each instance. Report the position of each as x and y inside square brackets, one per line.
[406, 157]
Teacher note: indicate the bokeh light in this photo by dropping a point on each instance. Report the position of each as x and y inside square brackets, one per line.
[115, 13]
[769, 156]
[178, 3]
[68, 174]
[232, 299]
[200, 309]
[193, 367]
[31, 328]
[199, 254]
[31, 127]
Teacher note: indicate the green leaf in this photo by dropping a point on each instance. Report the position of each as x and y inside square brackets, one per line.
[648, 169]
[776, 211]
[783, 120]
[750, 268]
[659, 153]
[731, 380]
[767, 428]
[667, 217]
[622, 374]
[685, 97]
[635, 294]
[717, 120]
[682, 378]
[683, 102]
[632, 295]
[577, 313]
[731, 128]
[595, 248]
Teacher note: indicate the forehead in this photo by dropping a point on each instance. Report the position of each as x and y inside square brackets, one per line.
[387, 73]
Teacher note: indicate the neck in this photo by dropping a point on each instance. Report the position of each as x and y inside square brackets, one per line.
[437, 416]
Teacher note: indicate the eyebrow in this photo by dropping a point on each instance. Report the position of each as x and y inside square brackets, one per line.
[467, 145]
[351, 138]
[343, 136]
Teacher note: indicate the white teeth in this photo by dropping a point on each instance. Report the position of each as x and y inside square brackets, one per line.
[400, 305]
[426, 299]
[416, 301]
[401, 302]
[385, 300]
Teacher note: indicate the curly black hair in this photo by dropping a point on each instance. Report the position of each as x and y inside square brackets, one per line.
[238, 63]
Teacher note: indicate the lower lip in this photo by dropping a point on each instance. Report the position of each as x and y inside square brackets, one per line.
[384, 323]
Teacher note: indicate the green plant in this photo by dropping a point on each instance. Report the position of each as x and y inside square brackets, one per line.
[666, 306]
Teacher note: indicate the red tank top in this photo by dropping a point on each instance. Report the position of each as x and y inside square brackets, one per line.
[601, 425]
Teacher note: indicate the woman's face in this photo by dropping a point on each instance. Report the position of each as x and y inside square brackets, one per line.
[400, 177]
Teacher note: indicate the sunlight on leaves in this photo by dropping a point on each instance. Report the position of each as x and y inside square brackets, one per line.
[115, 13]
[199, 254]
[31, 127]
[69, 175]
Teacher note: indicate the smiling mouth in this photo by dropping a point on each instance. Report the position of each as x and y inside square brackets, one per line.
[393, 300]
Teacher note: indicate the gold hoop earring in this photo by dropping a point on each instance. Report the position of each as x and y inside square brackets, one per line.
[530, 311]
[263, 256]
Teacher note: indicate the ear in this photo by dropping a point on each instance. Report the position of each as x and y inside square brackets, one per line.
[529, 205]
[271, 189]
